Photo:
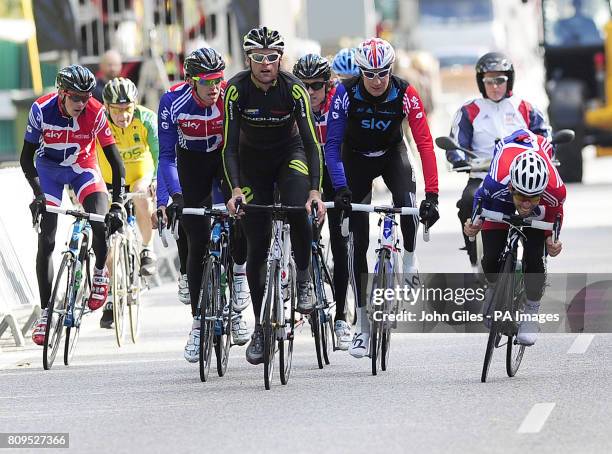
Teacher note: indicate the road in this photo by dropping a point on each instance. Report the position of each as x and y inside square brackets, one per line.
[146, 398]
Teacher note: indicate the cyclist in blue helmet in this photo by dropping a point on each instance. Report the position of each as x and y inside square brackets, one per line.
[344, 63]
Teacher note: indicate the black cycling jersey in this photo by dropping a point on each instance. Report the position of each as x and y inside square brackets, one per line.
[268, 120]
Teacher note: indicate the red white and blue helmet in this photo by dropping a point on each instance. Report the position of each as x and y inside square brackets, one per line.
[374, 53]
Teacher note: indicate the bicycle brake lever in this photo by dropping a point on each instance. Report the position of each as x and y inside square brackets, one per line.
[426, 233]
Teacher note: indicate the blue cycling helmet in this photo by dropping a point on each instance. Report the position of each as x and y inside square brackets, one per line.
[344, 63]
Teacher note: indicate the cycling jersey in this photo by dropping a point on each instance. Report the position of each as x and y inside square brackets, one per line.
[66, 147]
[138, 146]
[480, 122]
[370, 126]
[494, 189]
[320, 117]
[185, 122]
[268, 120]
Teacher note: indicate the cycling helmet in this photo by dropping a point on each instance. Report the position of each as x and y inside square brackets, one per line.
[312, 66]
[75, 78]
[119, 91]
[203, 61]
[344, 63]
[494, 61]
[263, 38]
[529, 173]
[374, 53]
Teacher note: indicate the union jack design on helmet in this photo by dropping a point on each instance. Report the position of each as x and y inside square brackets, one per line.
[374, 53]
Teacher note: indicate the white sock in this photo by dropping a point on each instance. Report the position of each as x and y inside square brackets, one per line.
[195, 324]
[409, 260]
[363, 324]
[239, 269]
[532, 307]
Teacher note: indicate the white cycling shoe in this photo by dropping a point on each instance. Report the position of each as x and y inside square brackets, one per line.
[192, 348]
[360, 344]
[242, 294]
[343, 334]
[183, 290]
[528, 330]
[410, 270]
[240, 331]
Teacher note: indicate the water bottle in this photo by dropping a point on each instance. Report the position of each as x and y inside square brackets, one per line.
[216, 232]
[131, 220]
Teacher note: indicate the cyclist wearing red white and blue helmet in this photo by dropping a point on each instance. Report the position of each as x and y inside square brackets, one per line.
[365, 140]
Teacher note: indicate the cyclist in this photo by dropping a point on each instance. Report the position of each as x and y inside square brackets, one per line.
[270, 139]
[344, 65]
[365, 140]
[315, 73]
[190, 137]
[62, 129]
[479, 123]
[134, 128]
[521, 179]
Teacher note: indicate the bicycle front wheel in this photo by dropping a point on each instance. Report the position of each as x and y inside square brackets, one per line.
[514, 351]
[84, 286]
[285, 342]
[208, 314]
[223, 327]
[56, 311]
[119, 286]
[272, 293]
[134, 290]
[376, 337]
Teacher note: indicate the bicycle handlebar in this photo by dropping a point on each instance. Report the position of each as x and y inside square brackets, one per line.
[365, 208]
[515, 220]
[217, 210]
[76, 213]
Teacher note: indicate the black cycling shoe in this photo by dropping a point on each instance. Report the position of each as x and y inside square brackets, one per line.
[107, 316]
[255, 350]
[147, 262]
[305, 303]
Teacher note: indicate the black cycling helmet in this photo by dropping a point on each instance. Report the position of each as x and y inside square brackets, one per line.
[263, 38]
[498, 62]
[119, 91]
[203, 61]
[75, 78]
[312, 66]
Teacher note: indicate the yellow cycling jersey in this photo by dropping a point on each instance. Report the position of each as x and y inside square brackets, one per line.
[138, 146]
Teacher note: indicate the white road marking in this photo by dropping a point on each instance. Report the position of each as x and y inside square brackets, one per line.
[581, 344]
[535, 419]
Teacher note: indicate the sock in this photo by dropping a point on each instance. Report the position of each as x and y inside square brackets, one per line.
[195, 324]
[363, 324]
[240, 269]
[532, 307]
[410, 261]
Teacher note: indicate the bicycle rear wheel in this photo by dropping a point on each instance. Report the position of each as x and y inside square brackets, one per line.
[56, 311]
[119, 286]
[285, 345]
[72, 332]
[134, 290]
[272, 292]
[376, 336]
[501, 300]
[208, 292]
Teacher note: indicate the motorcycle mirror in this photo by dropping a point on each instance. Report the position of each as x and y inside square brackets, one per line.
[563, 136]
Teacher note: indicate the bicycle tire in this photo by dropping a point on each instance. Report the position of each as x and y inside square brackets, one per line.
[134, 291]
[119, 286]
[328, 336]
[514, 351]
[223, 341]
[55, 327]
[376, 326]
[285, 346]
[72, 333]
[504, 286]
[208, 290]
[271, 293]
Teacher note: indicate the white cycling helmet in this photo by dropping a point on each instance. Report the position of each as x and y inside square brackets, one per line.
[529, 174]
[374, 53]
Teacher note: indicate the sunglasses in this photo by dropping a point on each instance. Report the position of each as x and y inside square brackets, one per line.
[497, 80]
[74, 97]
[207, 82]
[314, 85]
[372, 74]
[264, 58]
[523, 198]
[121, 109]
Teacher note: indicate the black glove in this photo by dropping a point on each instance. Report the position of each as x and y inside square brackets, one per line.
[460, 163]
[428, 211]
[37, 207]
[343, 199]
[113, 219]
[175, 209]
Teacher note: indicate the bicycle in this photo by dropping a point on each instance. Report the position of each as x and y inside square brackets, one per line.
[126, 280]
[388, 260]
[277, 315]
[321, 318]
[509, 294]
[215, 304]
[71, 289]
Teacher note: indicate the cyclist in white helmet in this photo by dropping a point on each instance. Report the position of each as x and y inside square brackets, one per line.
[523, 180]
